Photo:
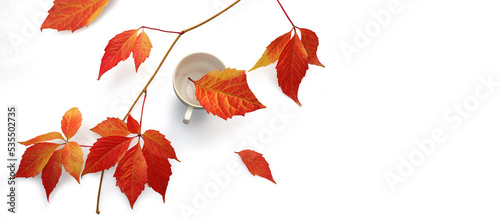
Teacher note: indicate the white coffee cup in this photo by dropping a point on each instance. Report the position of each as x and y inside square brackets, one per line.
[193, 66]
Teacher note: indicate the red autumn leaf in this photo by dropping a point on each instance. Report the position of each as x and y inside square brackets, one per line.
[294, 56]
[142, 48]
[273, 51]
[71, 122]
[226, 93]
[111, 127]
[158, 144]
[292, 66]
[35, 158]
[52, 172]
[310, 41]
[105, 153]
[121, 46]
[133, 126]
[159, 169]
[136, 167]
[43, 138]
[118, 49]
[43, 157]
[73, 14]
[256, 164]
[131, 174]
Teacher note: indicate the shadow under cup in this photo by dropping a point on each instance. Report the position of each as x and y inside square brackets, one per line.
[193, 66]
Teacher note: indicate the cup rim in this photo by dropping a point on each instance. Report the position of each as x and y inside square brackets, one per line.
[177, 68]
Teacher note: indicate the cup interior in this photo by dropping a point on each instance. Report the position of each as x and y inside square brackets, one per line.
[193, 66]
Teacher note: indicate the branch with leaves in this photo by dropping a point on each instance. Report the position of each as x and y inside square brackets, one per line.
[224, 93]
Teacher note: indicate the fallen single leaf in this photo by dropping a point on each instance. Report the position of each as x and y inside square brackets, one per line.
[73, 14]
[226, 93]
[291, 68]
[256, 164]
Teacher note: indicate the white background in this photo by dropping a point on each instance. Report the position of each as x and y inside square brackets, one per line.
[329, 157]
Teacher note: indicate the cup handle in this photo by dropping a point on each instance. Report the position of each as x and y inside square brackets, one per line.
[187, 115]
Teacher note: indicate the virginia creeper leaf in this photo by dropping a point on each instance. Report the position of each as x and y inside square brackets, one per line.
[142, 48]
[156, 142]
[256, 164]
[118, 49]
[72, 159]
[292, 66]
[121, 46]
[71, 122]
[226, 93]
[310, 41]
[52, 172]
[43, 138]
[159, 169]
[136, 167]
[105, 153]
[273, 51]
[73, 14]
[132, 125]
[131, 174]
[111, 127]
[35, 158]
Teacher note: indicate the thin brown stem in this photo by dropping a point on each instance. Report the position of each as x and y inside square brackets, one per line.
[142, 109]
[209, 19]
[157, 29]
[99, 194]
[154, 75]
[286, 14]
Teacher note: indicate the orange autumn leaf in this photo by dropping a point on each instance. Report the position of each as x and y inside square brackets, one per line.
[256, 164]
[291, 68]
[136, 167]
[71, 122]
[43, 138]
[43, 156]
[273, 51]
[226, 93]
[142, 48]
[111, 127]
[72, 159]
[35, 158]
[73, 14]
[121, 46]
